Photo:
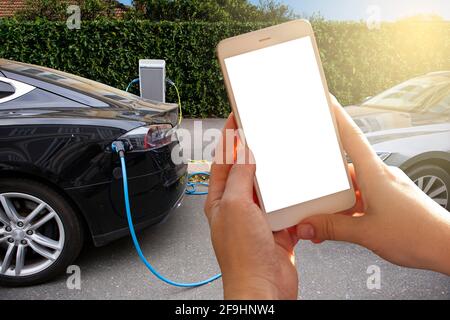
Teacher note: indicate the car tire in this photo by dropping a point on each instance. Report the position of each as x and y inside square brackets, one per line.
[41, 245]
[434, 181]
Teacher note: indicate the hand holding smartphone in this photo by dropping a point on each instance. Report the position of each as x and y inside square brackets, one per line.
[278, 93]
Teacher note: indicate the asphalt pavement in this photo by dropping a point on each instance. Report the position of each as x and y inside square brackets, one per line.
[181, 249]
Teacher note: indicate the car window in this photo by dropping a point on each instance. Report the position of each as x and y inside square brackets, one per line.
[56, 89]
[11, 89]
[42, 99]
[6, 89]
[442, 106]
[409, 96]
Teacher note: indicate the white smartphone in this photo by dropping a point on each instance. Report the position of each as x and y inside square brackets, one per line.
[279, 95]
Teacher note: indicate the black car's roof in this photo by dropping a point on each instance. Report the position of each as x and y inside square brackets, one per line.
[111, 95]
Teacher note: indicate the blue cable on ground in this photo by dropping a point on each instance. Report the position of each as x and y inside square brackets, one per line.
[192, 186]
[135, 240]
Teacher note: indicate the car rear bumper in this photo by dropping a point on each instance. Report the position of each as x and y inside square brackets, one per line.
[153, 196]
[103, 239]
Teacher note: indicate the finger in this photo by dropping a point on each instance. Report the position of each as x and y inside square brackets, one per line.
[220, 168]
[224, 150]
[335, 227]
[359, 205]
[286, 240]
[355, 142]
[241, 177]
[352, 172]
[256, 199]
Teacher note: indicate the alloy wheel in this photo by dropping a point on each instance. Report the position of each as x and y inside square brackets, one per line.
[31, 235]
[435, 188]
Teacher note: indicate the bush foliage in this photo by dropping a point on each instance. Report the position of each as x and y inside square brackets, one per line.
[56, 10]
[358, 62]
[213, 10]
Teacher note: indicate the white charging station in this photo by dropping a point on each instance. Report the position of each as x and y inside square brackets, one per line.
[152, 79]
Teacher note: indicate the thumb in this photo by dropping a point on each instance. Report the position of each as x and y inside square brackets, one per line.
[354, 141]
[334, 227]
[241, 177]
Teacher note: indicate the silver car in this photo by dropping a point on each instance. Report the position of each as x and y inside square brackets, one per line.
[409, 127]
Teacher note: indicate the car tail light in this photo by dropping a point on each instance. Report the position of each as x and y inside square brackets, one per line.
[158, 136]
[150, 137]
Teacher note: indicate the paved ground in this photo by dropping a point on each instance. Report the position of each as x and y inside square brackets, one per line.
[181, 250]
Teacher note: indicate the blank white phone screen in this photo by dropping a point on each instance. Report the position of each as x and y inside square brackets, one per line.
[287, 124]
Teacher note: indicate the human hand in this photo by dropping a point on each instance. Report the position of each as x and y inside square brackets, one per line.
[392, 217]
[255, 263]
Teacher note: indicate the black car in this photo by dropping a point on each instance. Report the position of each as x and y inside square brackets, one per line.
[60, 180]
[409, 127]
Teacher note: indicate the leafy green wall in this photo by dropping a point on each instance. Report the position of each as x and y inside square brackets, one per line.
[358, 62]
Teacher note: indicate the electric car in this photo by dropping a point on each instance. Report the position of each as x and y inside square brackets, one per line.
[409, 127]
[60, 182]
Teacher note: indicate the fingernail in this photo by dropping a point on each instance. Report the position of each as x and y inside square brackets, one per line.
[305, 232]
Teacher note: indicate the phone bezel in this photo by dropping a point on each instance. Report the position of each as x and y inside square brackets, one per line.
[338, 202]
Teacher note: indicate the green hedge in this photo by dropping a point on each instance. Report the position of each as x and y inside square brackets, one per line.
[358, 62]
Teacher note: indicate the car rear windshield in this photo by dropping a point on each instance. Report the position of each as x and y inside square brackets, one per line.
[409, 96]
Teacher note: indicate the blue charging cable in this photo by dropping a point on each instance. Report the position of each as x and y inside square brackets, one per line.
[119, 147]
[131, 83]
[191, 189]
